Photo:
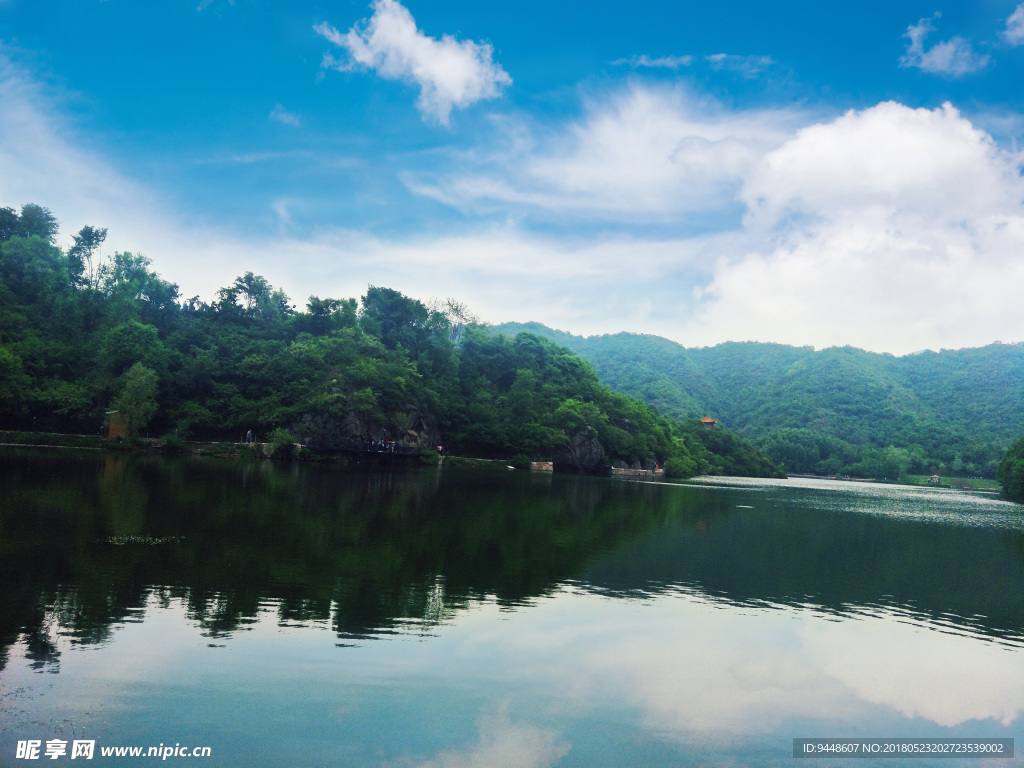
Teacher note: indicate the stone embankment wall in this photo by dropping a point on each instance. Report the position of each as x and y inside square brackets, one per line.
[620, 472]
[547, 466]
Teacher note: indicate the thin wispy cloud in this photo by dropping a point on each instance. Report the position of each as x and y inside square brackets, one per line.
[644, 153]
[748, 66]
[37, 145]
[954, 57]
[655, 62]
[281, 115]
[1014, 32]
[450, 73]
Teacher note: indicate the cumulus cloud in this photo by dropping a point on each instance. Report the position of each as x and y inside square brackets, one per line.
[954, 57]
[890, 228]
[889, 156]
[450, 73]
[1014, 32]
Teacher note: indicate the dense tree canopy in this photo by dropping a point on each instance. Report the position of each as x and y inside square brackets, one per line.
[81, 334]
[834, 410]
[1011, 472]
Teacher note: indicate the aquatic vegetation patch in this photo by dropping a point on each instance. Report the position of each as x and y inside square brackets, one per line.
[150, 540]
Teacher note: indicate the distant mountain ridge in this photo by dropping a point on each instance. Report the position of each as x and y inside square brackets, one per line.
[954, 411]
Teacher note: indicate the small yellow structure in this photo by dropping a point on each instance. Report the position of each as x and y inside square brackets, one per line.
[708, 422]
[115, 425]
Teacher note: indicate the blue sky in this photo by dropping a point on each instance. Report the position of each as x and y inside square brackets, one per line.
[809, 173]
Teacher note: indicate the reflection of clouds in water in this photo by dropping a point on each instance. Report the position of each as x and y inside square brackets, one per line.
[945, 678]
[689, 666]
[502, 744]
[705, 669]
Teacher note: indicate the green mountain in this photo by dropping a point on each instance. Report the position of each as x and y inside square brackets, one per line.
[830, 410]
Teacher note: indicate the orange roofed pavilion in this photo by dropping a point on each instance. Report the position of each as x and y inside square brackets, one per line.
[708, 422]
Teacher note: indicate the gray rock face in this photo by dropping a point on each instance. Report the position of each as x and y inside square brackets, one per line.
[583, 452]
[410, 428]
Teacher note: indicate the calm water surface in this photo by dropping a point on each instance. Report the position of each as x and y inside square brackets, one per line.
[313, 615]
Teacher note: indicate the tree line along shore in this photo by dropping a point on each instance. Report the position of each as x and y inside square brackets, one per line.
[88, 342]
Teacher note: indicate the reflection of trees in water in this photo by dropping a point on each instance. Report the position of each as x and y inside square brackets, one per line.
[377, 551]
[40, 649]
[964, 577]
[369, 551]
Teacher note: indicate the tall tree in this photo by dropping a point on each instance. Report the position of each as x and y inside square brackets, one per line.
[81, 254]
[9, 224]
[252, 296]
[458, 314]
[37, 221]
[137, 399]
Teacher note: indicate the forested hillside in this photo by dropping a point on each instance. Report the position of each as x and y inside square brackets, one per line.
[81, 335]
[832, 410]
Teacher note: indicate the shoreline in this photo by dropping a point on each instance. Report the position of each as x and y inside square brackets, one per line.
[229, 450]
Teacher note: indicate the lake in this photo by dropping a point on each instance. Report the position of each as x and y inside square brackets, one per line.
[314, 615]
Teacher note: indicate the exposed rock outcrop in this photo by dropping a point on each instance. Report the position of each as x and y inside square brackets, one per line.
[354, 430]
[582, 453]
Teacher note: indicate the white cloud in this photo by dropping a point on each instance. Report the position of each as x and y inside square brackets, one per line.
[891, 228]
[953, 57]
[891, 156]
[643, 153]
[1014, 32]
[449, 72]
[281, 115]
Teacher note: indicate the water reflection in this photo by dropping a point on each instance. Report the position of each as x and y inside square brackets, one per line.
[89, 539]
[531, 620]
